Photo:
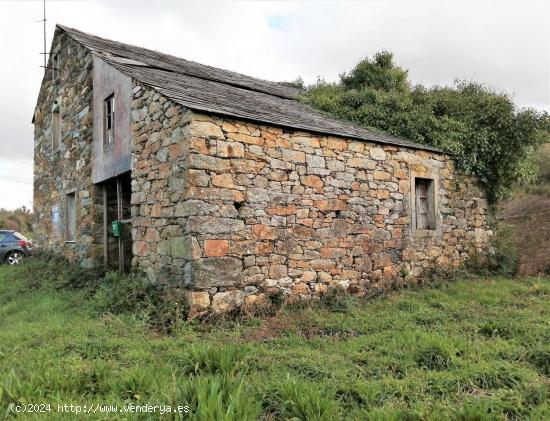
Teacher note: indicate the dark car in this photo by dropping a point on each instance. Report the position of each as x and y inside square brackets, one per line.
[13, 247]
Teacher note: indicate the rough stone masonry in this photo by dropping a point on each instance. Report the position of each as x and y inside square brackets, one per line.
[231, 210]
[227, 209]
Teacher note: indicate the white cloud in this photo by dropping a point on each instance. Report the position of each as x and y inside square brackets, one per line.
[505, 44]
[15, 183]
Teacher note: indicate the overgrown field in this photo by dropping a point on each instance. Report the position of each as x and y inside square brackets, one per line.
[476, 349]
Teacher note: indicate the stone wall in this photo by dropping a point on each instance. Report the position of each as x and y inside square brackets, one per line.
[57, 173]
[159, 150]
[231, 210]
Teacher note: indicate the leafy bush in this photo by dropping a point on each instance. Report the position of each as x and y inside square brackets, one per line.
[132, 293]
[20, 219]
[276, 298]
[487, 134]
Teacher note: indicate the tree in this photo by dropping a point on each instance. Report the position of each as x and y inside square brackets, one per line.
[20, 219]
[488, 135]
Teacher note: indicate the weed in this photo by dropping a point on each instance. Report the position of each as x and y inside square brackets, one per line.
[540, 358]
[134, 384]
[299, 400]
[337, 300]
[220, 397]
[395, 415]
[476, 411]
[368, 396]
[536, 394]
[228, 359]
[538, 289]
[276, 298]
[407, 305]
[131, 293]
[433, 356]
[56, 273]
[494, 328]
[498, 377]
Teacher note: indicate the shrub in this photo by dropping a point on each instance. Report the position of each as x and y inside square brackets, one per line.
[128, 293]
[504, 259]
[542, 161]
[133, 294]
[276, 298]
[57, 273]
[527, 215]
[337, 300]
[487, 134]
[437, 275]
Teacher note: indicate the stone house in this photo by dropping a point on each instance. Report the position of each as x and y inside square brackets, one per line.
[228, 187]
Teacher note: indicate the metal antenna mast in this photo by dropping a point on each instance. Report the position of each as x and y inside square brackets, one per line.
[45, 35]
[45, 53]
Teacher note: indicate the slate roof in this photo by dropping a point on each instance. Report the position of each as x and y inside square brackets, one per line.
[212, 90]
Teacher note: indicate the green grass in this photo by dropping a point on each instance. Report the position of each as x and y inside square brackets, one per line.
[476, 349]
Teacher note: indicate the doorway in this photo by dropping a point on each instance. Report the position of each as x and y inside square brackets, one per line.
[117, 223]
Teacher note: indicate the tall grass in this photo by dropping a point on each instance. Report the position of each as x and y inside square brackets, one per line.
[474, 349]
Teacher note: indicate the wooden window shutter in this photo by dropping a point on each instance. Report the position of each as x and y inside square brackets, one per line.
[425, 204]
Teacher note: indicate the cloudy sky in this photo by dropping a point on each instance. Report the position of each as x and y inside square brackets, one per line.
[505, 44]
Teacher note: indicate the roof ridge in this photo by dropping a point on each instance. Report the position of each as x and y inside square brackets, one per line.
[272, 88]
